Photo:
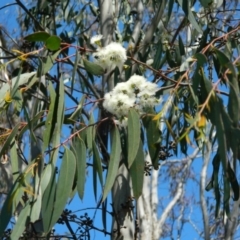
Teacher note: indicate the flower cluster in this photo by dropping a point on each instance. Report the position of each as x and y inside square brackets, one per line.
[112, 56]
[136, 93]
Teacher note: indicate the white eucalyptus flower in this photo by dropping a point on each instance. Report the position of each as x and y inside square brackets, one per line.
[112, 56]
[122, 122]
[125, 88]
[96, 40]
[136, 93]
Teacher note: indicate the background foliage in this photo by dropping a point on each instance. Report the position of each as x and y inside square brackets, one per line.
[54, 129]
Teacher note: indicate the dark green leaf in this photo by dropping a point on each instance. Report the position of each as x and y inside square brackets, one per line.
[226, 196]
[158, 55]
[50, 123]
[181, 46]
[206, 3]
[201, 59]
[234, 183]
[53, 43]
[153, 139]
[8, 208]
[216, 164]
[170, 8]
[97, 163]
[37, 37]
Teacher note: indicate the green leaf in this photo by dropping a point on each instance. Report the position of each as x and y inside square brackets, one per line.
[90, 133]
[158, 55]
[170, 8]
[186, 8]
[233, 100]
[49, 123]
[8, 208]
[64, 184]
[47, 64]
[59, 116]
[171, 62]
[181, 46]
[226, 190]
[77, 56]
[37, 37]
[22, 222]
[17, 81]
[78, 111]
[93, 68]
[48, 200]
[9, 141]
[206, 3]
[97, 163]
[234, 183]
[53, 43]
[216, 164]
[81, 157]
[153, 139]
[46, 177]
[137, 172]
[14, 161]
[36, 201]
[201, 59]
[113, 163]
[134, 128]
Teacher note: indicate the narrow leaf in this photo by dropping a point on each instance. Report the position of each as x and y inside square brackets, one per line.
[153, 139]
[185, 6]
[21, 223]
[80, 149]
[93, 68]
[137, 172]
[133, 135]
[113, 163]
[64, 184]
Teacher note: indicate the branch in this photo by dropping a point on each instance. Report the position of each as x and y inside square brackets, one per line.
[177, 196]
[169, 208]
[206, 159]
[30, 15]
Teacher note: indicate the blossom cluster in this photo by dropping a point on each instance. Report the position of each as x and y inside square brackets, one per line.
[136, 93]
[109, 57]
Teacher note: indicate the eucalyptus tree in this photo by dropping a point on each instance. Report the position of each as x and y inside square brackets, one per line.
[133, 91]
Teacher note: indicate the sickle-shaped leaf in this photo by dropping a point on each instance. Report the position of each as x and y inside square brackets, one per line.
[22, 222]
[113, 163]
[64, 184]
[137, 172]
[80, 149]
[93, 68]
[133, 135]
